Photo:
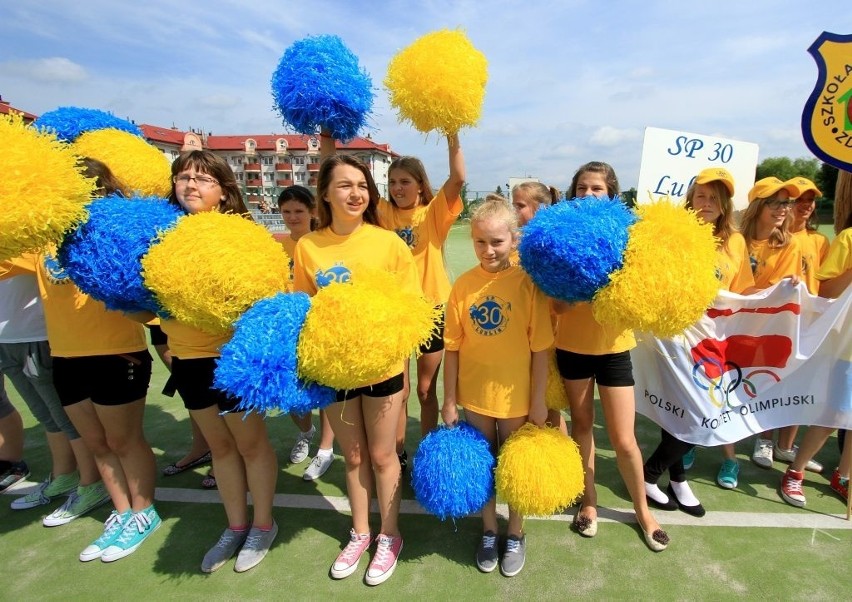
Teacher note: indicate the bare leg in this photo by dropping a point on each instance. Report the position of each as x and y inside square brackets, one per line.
[428, 365]
[348, 424]
[261, 463]
[380, 415]
[582, 403]
[488, 427]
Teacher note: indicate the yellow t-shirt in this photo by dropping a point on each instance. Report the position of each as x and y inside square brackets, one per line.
[839, 257]
[579, 332]
[77, 325]
[495, 322]
[188, 343]
[289, 247]
[770, 264]
[814, 249]
[734, 267]
[424, 229]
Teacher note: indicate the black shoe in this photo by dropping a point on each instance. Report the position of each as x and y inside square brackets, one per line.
[403, 460]
[670, 505]
[697, 511]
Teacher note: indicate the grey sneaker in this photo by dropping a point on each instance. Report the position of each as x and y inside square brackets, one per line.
[302, 446]
[762, 455]
[317, 467]
[227, 546]
[255, 548]
[486, 553]
[789, 456]
[514, 557]
[50, 488]
[83, 500]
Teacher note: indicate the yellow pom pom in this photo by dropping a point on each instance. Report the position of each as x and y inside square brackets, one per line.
[358, 332]
[669, 275]
[539, 471]
[555, 397]
[211, 267]
[438, 83]
[138, 165]
[42, 192]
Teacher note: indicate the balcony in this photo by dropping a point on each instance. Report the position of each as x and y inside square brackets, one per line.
[254, 182]
[283, 167]
[252, 167]
[312, 182]
[253, 198]
[284, 182]
[313, 166]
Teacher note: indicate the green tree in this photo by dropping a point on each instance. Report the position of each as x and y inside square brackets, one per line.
[465, 203]
[826, 180]
[785, 168]
[499, 190]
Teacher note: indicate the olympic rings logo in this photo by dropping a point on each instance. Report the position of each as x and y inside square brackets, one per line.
[719, 389]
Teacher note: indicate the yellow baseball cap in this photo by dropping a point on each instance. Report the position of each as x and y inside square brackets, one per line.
[765, 188]
[713, 174]
[802, 185]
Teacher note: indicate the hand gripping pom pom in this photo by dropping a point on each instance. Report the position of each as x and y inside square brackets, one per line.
[140, 166]
[103, 255]
[319, 84]
[43, 194]
[669, 274]
[67, 123]
[571, 248]
[211, 267]
[453, 474]
[259, 365]
[438, 82]
[539, 471]
[368, 312]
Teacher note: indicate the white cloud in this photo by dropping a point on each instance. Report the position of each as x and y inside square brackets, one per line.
[611, 136]
[52, 70]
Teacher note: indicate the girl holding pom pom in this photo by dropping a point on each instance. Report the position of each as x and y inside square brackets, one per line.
[298, 207]
[364, 419]
[588, 352]
[497, 337]
[423, 221]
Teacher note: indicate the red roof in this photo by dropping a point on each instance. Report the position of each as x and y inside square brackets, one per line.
[6, 108]
[161, 134]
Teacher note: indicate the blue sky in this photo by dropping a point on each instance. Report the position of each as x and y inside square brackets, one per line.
[569, 81]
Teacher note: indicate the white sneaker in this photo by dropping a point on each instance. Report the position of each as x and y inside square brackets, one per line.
[789, 456]
[317, 467]
[762, 455]
[302, 446]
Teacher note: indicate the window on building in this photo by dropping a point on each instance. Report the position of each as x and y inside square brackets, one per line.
[268, 176]
[300, 176]
[239, 176]
[267, 160]
[299, 160]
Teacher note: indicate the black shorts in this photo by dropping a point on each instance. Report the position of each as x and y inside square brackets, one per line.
[193, 380]
[387, 387]
[108, 380]
[609, 370]
[158, 337]
[436, 343]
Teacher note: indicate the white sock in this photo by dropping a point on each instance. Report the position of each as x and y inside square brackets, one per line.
[684, 494]
[325, 453]
[655, 493]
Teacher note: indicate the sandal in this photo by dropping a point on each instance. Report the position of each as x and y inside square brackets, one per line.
[587, 527]
[209, 481]
[173, 468]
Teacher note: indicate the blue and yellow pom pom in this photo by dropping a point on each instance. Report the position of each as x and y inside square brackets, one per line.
[358, 332]
[319, 84]
[67, 123]
[438, 82]
[668, 279]
[103, 254]
[539, 471]
[453, 473]
[43, 194]
[571, 248]
[259, 365]
[555, 397]
[211, 267]
[140, 166]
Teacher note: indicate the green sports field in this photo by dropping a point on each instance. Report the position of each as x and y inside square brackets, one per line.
[750, 545]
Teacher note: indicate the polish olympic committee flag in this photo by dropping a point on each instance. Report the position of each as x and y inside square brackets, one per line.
[774, 359]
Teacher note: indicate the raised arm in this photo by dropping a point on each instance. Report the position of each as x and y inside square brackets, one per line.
[453, 185]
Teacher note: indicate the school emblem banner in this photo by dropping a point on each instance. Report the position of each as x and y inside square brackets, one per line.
[774, 359]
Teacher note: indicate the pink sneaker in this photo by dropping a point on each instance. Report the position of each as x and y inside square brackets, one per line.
[384, 561]
[347, 561]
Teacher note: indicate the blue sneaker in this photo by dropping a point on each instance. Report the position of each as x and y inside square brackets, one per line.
[728, 473]
[135, 531]
[689, 459]
[112, 529]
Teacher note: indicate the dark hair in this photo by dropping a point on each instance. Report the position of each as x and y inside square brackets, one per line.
[208, 163]
[302, 195]
[843, 202]
[414, 166]
[605, 169]
[326, 173]
[106, 181]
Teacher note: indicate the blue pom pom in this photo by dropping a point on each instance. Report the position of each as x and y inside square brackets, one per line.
[318, 83]
[103, 254]
[67, 123]
[571, 248]
[259, 364]
[453, 473]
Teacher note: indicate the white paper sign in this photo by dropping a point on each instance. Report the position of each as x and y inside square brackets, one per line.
[671, 160]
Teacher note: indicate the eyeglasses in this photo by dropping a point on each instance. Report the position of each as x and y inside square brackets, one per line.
[200, 181]
[778, 204]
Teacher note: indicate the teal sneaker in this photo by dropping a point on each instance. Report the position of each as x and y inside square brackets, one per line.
[80, 502]
[135, 531]
[112, 529]
[47, 490]
[728, 473]
[689, 459]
